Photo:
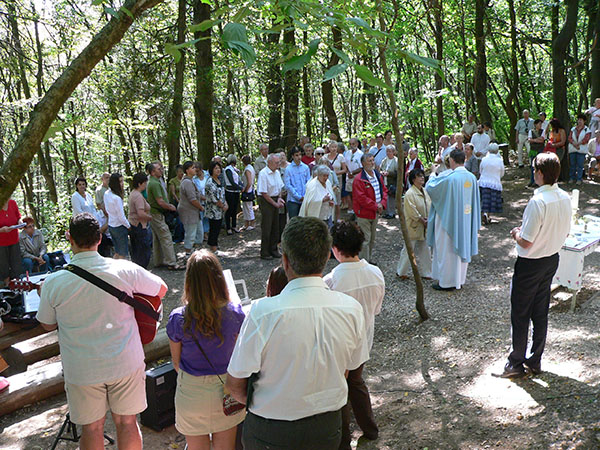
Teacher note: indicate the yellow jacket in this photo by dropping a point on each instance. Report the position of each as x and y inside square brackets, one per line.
[416, 206]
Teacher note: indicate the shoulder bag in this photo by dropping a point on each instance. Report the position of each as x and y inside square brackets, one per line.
[230, 405]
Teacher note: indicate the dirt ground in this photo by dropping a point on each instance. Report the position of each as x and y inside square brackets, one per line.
[431, 383]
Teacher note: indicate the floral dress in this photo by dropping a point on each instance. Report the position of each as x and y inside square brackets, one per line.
[214, 193]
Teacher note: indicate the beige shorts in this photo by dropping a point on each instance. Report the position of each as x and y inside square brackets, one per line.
[125, 397]
[199, 405]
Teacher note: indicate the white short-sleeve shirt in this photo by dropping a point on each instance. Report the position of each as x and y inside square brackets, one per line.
[301, 342]
[546, 222]
[269, 182]
[98, 335]
[363, 282]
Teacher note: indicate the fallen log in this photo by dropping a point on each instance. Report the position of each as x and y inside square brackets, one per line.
[39, 384]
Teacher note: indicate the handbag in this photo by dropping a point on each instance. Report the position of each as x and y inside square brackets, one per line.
[248, 196]
[230, 405]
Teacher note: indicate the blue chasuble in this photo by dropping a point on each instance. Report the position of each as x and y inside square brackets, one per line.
[455, 201]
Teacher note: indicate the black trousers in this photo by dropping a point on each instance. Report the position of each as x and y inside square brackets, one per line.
[269, 227]
[10, 261]
[360, 400]
[214, 228]
[318, 432]
[141, 245]
[233, 203]
[529, 301]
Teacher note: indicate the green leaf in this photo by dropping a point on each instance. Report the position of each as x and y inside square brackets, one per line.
[335, 71]
[204, 25]
[172, 50]
[235, 38]
[112, 12]
[299, 61]
[362, 23]
[242, 14]
[423, 60]
[126, 11]
[342, 55]
[97, 2]
[368, 77]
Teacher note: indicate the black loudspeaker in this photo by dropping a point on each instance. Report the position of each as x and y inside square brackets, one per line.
[160, 395]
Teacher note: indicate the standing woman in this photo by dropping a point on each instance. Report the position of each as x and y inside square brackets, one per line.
[337, 164]
[389, 171]
[416, 211]
[248, 194]
[10, 252]
[558, 139]
[139, 218]
[81, 201]
[579, 137]
[118, 225]
[490, 183]
[202, 334]
[215, 204]
[200, 182]
[233, 187]
[189, 209]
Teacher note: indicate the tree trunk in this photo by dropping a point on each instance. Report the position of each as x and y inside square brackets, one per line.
[174, 131]
[559, 79]
[229, 125]
[331, 126]
[291, 87]
[306, 96]
[273, 92]
[45, 111]
[420, 305]
[203, 103]
[439, 51]
[595, 68]
[480, 75]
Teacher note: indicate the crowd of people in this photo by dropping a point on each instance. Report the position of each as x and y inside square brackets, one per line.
[296, 360]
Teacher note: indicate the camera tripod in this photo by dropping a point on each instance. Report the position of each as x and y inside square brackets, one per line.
[71, 428]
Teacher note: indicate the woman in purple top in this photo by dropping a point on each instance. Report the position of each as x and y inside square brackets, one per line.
[210, 321]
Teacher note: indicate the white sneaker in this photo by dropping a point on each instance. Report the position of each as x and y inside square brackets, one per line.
[350, 211]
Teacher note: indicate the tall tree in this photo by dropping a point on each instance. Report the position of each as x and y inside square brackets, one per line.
[174, 130]
[439, 50]
[291, 87]
[44, 113]
[273, 91]
[594, 14]
[560, 45]
[480, 82]
[331, 125]
[203, 103]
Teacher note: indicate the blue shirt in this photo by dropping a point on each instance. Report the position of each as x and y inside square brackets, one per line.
[379, 154]
[295, 178]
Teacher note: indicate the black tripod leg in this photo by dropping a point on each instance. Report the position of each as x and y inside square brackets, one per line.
[62, 429]
[110, 440]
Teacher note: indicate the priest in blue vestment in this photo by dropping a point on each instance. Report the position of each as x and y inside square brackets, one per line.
[454, 222]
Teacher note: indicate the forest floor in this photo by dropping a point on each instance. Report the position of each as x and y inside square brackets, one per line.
[432, 383]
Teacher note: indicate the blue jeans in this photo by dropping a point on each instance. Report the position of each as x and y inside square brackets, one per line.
[576, 160]
[28, 264]
[293, 208]
[120, 238]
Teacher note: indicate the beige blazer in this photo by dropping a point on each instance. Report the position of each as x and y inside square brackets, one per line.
[416, 206]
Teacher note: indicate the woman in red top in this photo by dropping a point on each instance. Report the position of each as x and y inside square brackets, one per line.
[10, 254]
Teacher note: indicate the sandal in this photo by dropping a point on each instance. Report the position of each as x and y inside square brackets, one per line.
[176, 267]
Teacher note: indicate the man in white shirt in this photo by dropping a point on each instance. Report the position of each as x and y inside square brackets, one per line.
[378, 150]
[352, 157]
[100, 347]
[301, 343]
[546, 225]
[269, 189]
[480, 141]
[364, 282]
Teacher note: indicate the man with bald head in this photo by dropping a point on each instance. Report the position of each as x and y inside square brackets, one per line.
[269, 188]
[523, 127]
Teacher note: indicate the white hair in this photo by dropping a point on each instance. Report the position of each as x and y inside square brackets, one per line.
[231, 159]
[390, 147]
[271, 156]
[321, 169]
[493, 148]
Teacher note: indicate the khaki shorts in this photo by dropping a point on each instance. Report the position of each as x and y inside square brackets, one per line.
[199, 406]
[125, 397]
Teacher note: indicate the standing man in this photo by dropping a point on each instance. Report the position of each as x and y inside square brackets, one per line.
[523, 126]
[469, 128]
[453, 223]
[261, 162]
[269, 188]
[295, 177]
[301, 343]
[378, 150]
[162, 241]
[352, 156]
[369, 199]
[100, 347]
[100, 190]
[480, 141]
[365, 283]
[546, 224]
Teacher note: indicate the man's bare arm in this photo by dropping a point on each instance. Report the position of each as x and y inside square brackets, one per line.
[237, 387]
